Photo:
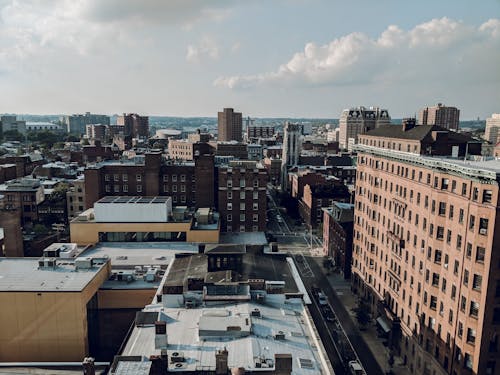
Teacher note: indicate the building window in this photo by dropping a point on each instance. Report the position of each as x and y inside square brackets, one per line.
[242, 206]
[472, 222]
[106, 177]
[139, 188]
[476, 282]
[183, 178]
[461, 216]
[107, 188]
[116, 188]
[255, 228]
[229, 217]
[474, 309]
[464, 188]
[444, 184]
[255, 206]
[242, 194]
[229, 183]
[475, 194]
[138, 178]
[165, 178]
[174, 178]
[440, 233]
[242, 217]
[183, 188]
[125, 188]
[174, 198]
[483, 226]
[442, 208]
[229, 195]
[460, 329]
[487, 196]
[229, 206]
[242, 183]
[466, 278]
[116, 177]
[480, 254]
[165, 188]
[255, 218]
[468, 361]
[183, 198]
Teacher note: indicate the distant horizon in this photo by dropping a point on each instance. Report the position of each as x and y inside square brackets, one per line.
[214, 117]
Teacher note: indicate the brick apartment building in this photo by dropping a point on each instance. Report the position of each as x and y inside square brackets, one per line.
[25, 194]
[230, 125]
[186, 149]
[315, 198]
[426, 231]
[242, 196]
[338, 222]
[441, 115]
[188, 183]
[134, 125]
[255, 132]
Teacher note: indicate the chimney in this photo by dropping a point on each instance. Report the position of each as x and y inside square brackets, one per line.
[409, 123]
[159, 363]
[283, 364]
[88, 366]
[161, 338]
[221, 362]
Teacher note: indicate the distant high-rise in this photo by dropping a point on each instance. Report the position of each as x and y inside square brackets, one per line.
[77, 123]
[355, 121]
[492, 128]
[291, 150]
[441, 115]
[230, 125]
[134, 125]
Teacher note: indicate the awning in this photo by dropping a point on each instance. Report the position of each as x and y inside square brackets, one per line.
[382, 323]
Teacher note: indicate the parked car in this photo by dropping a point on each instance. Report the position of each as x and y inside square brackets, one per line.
[322, 299]
[355, 368]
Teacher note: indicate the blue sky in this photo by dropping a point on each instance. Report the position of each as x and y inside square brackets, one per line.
[265, 58]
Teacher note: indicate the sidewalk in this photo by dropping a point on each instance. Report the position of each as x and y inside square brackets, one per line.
[380, 352]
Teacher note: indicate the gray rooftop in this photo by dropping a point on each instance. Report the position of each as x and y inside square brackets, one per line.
[255, 343]
[24, 275]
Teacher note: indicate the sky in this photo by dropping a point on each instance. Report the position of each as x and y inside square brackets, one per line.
[265, 58]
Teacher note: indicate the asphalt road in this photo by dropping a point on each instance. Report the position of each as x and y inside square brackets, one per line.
[366, 357]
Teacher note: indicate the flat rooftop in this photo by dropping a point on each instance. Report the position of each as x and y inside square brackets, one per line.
[245, 238]
[253, 349]
[131, 254]
[255, 265]
[134, 199]
[24, 275]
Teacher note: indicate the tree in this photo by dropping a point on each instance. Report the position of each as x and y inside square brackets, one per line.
[59, 192]
[40, 229]
[13, 135]
[362, 313]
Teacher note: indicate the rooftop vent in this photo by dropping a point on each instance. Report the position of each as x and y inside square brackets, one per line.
[256, 313]
[280, 335]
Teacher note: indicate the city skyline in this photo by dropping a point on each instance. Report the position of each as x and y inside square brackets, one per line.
[288, 58]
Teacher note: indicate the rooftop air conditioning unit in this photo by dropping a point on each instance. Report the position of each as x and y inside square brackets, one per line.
[177, 357]
[256, 312]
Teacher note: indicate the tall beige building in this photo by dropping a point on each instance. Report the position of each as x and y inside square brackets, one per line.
[355, 121]
[441, 115]
[229, 125]
[425, 253]
[492, 128]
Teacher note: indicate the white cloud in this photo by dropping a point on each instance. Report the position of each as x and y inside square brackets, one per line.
[206, 48]
[439, 49]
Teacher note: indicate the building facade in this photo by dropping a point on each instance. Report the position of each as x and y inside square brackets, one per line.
[338, 221]
[355, 121]
[291, 151]
[25, 194]
[134, 125]
[229, 125]
[492, 128]
[441, 115]
[255, 132]
[77, 123]
[153, 176]
[242, 197]
[426, 231]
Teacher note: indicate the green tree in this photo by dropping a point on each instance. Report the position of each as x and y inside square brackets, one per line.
[362, 313]
[40, 229]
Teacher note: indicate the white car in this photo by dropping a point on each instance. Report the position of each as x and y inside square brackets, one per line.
[322, 299]
[356, 369]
